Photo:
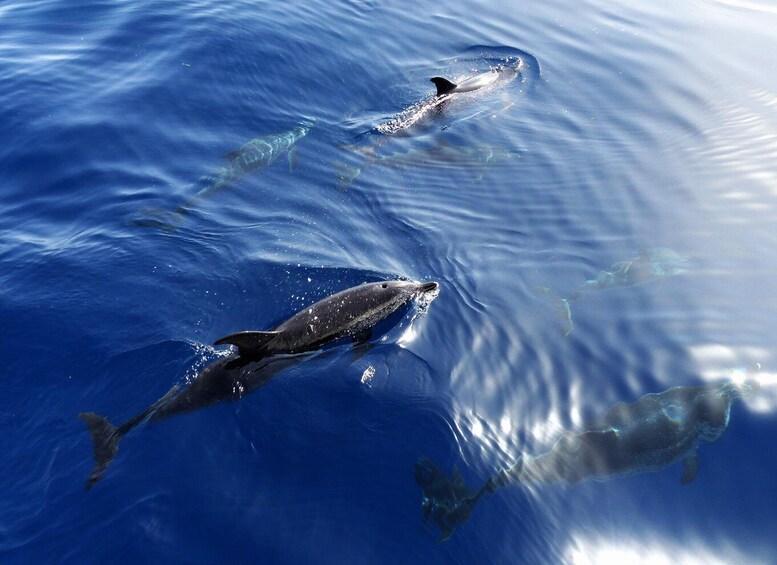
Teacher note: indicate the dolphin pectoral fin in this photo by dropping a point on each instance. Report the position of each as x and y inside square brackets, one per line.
[292, 156]
[248, 343]
[444, 86]
[690, 468]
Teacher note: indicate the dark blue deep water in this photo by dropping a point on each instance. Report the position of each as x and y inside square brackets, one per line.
[637, 143]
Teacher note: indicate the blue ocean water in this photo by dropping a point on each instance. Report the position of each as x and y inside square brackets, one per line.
[631, 131]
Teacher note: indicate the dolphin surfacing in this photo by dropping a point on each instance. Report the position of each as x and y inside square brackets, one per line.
[444, 86]
[261, 356]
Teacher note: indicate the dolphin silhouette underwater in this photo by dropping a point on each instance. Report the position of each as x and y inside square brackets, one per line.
[442, 154]
[648, 265]
[647, 435]
[252, 156]
[262, 355]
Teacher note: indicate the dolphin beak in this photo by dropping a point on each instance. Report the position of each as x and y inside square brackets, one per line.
[428, 287]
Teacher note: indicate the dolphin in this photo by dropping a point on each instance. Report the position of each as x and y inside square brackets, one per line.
[261, 356]
[647, 435]
[445, 91]
[252, 156]
[648, 265]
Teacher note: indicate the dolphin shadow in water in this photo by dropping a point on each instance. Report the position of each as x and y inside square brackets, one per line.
[261, 356]
[254, 155]
[478, 157]
[647, 435]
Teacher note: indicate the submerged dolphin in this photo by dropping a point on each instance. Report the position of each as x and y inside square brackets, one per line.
[648, 265]
[647, 435]
[257, 154]
[352, 312]
[479, 157]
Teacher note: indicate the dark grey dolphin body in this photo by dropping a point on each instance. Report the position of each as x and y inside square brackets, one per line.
[254, 155]
[350, 313]
[647, 435]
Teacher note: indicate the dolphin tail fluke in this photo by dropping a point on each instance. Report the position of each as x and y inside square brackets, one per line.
[105, 437]
[444, 86]
[447, 502]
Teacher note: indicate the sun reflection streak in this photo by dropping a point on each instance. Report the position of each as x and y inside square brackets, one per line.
[584, 551]
[718, 359]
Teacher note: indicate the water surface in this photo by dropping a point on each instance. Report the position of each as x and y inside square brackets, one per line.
[629, 128]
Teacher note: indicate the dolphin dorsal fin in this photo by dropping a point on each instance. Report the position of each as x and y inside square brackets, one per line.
[248, 343]
[444, 86]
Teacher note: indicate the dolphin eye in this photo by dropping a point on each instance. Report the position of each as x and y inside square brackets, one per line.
[384, 285]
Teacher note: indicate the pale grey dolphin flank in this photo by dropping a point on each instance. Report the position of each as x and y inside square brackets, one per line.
[647, 435]
[350, 313]
[254, 155]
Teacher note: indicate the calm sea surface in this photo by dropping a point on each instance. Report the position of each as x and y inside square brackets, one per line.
[633, 146]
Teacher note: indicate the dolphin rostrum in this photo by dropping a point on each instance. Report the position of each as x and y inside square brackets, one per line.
[350, 313]
[647, 435]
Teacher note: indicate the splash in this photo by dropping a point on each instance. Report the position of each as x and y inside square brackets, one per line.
[367, 375]
[423, 302]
